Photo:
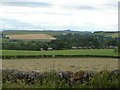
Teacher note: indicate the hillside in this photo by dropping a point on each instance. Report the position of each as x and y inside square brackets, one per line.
[10, 32]
[63, 32]
[108, 34]
[51, 33]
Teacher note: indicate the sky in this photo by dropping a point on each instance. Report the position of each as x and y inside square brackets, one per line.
[78, 15]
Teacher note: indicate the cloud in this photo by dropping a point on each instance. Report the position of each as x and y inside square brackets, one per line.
[86, 7]
[56, 14]
[14, 24]
[27, 4]
[81, 7]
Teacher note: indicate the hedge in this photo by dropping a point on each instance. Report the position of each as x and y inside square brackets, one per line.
[53, 56]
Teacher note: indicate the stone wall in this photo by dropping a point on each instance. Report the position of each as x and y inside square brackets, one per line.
[42, 77]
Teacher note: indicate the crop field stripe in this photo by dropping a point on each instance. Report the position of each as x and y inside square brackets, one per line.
[103, 52]
[31, 36]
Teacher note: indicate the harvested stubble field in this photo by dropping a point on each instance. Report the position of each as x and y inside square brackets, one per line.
[61, 64]
[30, 36]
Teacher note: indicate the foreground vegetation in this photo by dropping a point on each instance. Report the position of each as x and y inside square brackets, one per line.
[98, 80]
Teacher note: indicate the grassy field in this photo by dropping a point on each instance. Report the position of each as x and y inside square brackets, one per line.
[108, 34]
[52, 33]
[115, 35]
[106, 52]
[61, 64]
[42, 40]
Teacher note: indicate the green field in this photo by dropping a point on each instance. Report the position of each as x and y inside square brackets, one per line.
[52, 33]
[108, 34]
[104, 52]
[42, 40]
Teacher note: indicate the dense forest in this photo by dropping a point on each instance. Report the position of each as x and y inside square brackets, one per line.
[62, 42]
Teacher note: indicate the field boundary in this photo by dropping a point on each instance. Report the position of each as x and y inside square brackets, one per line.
[13, 78]
[54, 56]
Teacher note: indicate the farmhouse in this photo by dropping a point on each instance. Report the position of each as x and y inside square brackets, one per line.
[74, 48]
[50, 48]
[31, 36]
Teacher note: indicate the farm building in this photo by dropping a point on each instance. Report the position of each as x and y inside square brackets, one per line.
[50, 48]
[74, 48]
[108, 47]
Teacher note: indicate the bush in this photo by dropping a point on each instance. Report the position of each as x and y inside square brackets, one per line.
[103, 80]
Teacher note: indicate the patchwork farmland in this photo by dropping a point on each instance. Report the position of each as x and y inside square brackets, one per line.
[25, 52]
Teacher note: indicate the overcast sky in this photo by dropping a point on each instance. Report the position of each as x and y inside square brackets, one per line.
[82, 15]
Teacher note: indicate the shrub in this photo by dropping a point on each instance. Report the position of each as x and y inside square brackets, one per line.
[103, 80]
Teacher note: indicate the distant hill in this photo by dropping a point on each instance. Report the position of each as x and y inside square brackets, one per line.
[61, 32]
[52, 33]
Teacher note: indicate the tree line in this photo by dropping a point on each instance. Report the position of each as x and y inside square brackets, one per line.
[62, 42]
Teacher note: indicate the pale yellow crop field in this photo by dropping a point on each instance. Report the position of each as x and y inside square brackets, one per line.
[30, 36]
[61, 64]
